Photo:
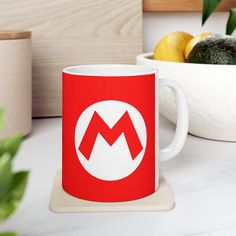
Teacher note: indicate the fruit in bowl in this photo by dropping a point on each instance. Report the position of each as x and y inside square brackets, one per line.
[172, 47]
[208, 77]
[206, 48]
[216, 49]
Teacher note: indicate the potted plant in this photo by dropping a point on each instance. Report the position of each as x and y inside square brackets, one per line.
[12, 184]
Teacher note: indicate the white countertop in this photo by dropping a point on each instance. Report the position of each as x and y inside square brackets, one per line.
[202, 178]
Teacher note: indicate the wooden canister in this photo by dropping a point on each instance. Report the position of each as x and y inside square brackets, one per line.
[16, 82]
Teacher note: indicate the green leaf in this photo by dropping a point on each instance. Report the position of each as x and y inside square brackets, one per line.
[208, 7]
[11, 145]
[8, 234]
[5, 174]
[231, 23]
[10, 201]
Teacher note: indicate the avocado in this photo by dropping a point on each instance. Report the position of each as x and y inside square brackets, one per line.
[215, 49]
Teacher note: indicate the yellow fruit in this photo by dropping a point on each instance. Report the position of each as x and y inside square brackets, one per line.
[193, 42]
[172, 47]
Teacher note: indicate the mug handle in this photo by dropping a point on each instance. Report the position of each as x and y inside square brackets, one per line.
[182, 123]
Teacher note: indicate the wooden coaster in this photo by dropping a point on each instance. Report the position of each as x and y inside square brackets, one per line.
[62, 202]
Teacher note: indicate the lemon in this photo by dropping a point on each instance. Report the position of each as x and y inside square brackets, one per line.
[193, 42]
[172, 47]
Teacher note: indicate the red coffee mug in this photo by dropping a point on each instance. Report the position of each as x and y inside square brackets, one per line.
[110, 131]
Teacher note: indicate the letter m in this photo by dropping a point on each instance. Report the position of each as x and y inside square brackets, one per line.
[123, 125]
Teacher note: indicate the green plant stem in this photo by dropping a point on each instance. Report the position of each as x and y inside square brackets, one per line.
[231, 23]
[208, 7]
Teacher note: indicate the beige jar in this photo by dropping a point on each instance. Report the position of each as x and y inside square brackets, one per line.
[16, 82]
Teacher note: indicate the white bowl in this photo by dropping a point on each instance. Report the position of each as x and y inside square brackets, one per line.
[210, 91]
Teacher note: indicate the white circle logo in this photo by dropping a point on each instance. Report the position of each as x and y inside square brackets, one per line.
[110, 139]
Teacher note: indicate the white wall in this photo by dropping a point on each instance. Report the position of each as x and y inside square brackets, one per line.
[156, 25]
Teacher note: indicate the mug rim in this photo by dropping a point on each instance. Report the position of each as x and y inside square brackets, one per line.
[114, 70]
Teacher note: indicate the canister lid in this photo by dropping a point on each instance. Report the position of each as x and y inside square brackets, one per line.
[8, 35]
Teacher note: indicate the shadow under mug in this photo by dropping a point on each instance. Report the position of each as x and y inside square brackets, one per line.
[110, 131]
